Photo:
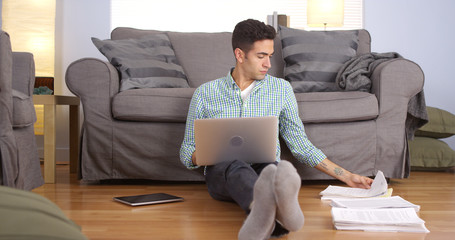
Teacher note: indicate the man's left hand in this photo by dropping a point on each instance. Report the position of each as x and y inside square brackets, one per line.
[357, 181]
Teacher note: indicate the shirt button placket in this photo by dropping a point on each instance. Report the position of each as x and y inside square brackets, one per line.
[239, 102]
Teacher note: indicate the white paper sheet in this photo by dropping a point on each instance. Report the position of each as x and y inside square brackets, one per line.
[378, 187]
[419, 228]
[374, 203]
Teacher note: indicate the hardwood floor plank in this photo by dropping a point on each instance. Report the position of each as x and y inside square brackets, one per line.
[200, 217]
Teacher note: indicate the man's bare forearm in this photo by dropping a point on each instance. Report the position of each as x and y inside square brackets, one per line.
[351, 179]
[333, 170]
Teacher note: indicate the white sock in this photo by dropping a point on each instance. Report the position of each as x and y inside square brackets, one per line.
[287, 186]
[261, 221]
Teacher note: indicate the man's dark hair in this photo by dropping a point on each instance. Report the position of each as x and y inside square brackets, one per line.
[249, 31]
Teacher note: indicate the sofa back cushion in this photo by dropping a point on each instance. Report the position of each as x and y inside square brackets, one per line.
[146, 62]
[364, 42]
[313, 58]
[277, 61]
[24, 68]
[208, 56]
[203, 56]
[125, 33]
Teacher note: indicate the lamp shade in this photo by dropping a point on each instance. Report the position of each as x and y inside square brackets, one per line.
[325, 13]
[31, 25]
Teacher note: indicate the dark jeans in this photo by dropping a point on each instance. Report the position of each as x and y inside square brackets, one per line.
[233, 181]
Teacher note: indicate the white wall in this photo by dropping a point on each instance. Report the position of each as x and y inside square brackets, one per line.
[76, 22]
[420, 30]
[424, 32]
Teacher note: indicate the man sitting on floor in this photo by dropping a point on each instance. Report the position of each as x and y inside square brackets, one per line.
[267, 192]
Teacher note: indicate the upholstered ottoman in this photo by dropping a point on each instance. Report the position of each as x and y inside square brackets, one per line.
[26, 215]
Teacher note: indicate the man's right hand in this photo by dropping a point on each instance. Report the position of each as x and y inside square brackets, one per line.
[193, 158]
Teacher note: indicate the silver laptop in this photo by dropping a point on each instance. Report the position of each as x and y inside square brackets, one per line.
[253, 140]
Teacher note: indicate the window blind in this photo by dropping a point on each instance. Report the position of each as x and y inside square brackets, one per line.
[209, 15]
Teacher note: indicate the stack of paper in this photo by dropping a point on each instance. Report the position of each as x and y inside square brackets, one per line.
[363, 209]
[391, 219]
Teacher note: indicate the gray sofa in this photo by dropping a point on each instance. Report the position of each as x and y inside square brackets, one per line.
[137, 133]
[20, 166]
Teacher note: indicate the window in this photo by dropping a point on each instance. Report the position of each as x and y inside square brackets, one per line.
[216, 16]
[353, 14]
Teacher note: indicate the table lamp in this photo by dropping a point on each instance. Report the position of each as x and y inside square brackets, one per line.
[325, 13]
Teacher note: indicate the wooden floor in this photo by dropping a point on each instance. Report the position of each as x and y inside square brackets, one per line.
[201, 217]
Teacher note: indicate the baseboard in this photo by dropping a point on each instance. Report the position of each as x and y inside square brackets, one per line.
[61, 154]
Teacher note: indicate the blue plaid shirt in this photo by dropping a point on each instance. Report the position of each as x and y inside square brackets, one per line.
[271, 96]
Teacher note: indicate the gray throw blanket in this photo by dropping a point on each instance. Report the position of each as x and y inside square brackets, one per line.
[355, 75]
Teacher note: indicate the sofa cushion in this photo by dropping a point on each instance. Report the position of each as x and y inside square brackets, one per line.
[147, 62]
[171, 105]
[153, 104]
[336, 106]
[23, 110]
[203, 56]
[313, 58]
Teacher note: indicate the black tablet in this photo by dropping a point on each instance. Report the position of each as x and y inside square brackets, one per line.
[147, 199]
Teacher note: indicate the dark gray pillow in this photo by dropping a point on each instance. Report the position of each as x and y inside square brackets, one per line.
[147, 62]
[313, 58]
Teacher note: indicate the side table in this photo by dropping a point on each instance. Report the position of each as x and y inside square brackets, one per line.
[50, 102]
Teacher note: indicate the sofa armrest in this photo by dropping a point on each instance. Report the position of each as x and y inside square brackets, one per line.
[23, 72]
[88, 77]
[396, 80]
[95, 82]
[394, 83]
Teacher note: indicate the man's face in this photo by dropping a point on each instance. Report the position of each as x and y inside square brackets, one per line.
[256, 62]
